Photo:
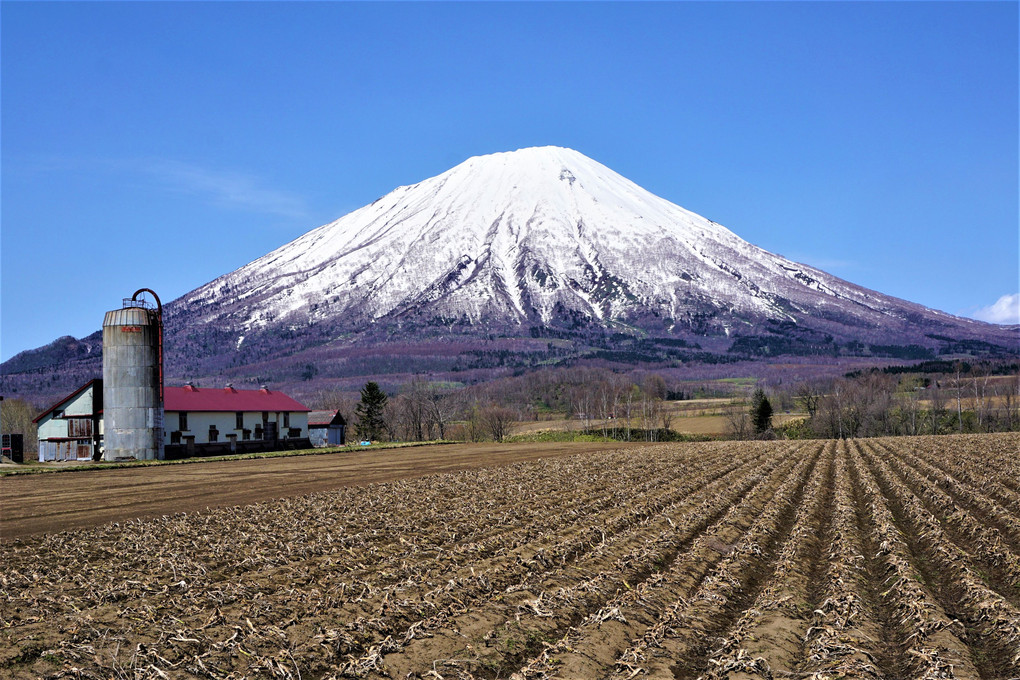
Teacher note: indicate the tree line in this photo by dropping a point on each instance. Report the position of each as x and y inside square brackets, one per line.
[600, 402]
[634, 406]
[965, 399]
[929, 398]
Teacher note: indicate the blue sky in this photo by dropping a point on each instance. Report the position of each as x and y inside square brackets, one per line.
[164, 144]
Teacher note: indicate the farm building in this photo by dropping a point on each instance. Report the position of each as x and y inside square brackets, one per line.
[228, 419]
[72, 429]
[197, 421]
[130, 414]
[327, 428]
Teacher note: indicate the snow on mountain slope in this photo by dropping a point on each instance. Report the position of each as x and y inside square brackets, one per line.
[532, 237]
[470, 272]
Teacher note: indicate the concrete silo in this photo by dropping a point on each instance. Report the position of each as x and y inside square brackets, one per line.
[133, 380]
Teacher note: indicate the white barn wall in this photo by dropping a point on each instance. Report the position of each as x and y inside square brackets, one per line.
[225, 421]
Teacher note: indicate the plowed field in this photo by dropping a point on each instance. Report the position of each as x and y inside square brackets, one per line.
[878, 558]
[44, 503]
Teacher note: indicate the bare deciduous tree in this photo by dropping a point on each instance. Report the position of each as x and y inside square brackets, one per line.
[582, 405]
[979, 377]
[628, 402]
[665, 415]
[738, 422]
[936, 407]
[654, 386]
[499, 421]
[808, 395]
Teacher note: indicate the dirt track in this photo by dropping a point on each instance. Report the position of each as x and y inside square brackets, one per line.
[45, 503]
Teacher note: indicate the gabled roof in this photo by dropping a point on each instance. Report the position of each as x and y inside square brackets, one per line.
[190, 398]
[325, 418]
[72, 395]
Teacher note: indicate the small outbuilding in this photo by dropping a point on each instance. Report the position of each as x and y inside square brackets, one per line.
[327, 428]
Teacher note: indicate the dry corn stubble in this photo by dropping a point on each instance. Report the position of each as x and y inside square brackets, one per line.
[730, 559]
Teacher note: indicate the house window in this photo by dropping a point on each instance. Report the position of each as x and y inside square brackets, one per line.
[213, 433]
[183, 416]
[239, 420]
[286, 419]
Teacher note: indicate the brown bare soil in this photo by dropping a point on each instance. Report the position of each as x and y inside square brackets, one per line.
[51, 502]
[882, 558]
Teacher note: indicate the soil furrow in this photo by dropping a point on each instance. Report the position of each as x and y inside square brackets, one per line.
[972, 500]
[994, 563]
[540, 610]
[866, 559]
[590, 648]
[846, 638]
[951, 471]
[989, 655]
[717, 604]
[766, 639]
[890, 650]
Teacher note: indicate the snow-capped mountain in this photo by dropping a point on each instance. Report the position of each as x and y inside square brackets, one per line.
[540, 236]
[512, 261]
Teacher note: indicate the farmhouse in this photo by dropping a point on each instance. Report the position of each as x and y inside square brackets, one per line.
[327, 428]
[197, 421]
[72, 429]
[209, 420]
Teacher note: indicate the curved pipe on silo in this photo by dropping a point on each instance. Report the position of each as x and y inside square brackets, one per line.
[159, 323]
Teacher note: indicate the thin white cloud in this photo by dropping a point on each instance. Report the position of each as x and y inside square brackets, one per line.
[1005, 310]
[228, 189]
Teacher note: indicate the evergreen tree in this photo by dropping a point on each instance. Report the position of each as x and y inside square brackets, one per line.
[369, 412]
[761, 412]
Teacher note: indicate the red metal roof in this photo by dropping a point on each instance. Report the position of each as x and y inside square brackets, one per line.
[227, 399]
